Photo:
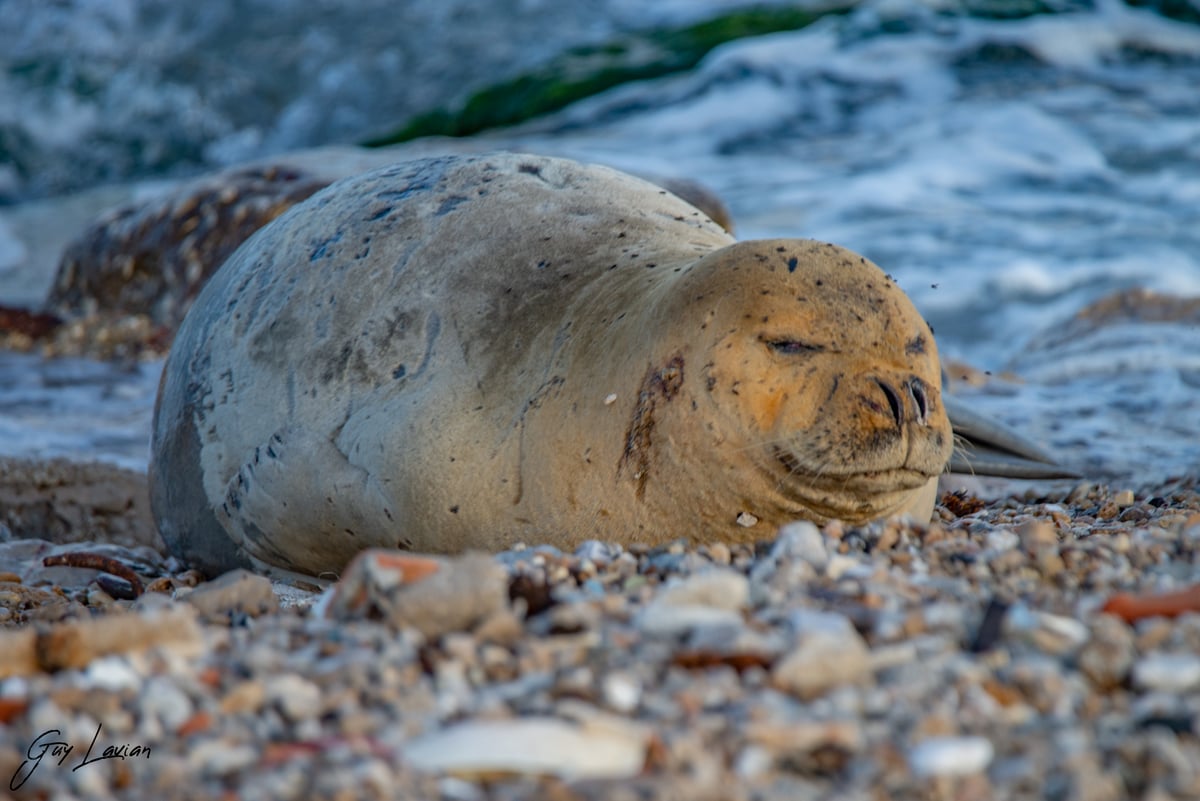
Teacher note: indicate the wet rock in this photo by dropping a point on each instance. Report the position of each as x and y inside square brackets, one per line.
[152, 257]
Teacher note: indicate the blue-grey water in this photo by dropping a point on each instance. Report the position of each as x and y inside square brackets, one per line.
[1006, 172]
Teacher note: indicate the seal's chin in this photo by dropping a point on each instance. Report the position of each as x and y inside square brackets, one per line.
[847, 494]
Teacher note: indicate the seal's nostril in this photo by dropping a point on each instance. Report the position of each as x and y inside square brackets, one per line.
[894, 401]
[916, 390]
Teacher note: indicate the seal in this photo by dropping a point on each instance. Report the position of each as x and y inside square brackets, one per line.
[468, 352]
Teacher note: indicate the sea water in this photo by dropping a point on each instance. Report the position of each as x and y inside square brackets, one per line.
[1007, 173]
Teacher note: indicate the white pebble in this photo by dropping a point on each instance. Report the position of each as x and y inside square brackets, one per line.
[951, 756]
[162, 699]
[801, 540]
[298, 698]
[719, 588]
[1167, 672]
[845, 566]
[221, 757]
[821, 662]
[754, 761]
[814, 621]
[111, 673]
[666, 619]
[746, 520]
[530, 746]
[622, 692]
[1002, 539]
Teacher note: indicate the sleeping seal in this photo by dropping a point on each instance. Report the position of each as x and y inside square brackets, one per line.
[467, 352]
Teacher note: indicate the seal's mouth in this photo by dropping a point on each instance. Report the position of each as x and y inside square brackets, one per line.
[853, 482]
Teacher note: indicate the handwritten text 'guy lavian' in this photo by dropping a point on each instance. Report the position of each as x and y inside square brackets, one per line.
[58, 750]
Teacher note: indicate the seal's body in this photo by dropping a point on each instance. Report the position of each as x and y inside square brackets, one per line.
[469, 352]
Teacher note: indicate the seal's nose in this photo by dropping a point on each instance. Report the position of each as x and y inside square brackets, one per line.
[894, 399]
[920, 400]
[910, 401]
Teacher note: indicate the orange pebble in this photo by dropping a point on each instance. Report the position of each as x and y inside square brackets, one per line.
[1131, 607]
[201, 721]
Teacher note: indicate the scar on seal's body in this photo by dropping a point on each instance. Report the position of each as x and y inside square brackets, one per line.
[666, 382]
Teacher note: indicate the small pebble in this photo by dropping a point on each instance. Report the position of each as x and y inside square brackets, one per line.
[238, 591]
[803, 541]
[111, 673]
[447, 595]
[716, 587]
[950, 756]
[297, 697]
[1166, 672]
[622, 691]
[821, 662]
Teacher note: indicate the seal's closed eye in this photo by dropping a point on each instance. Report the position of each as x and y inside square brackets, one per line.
[791, 346]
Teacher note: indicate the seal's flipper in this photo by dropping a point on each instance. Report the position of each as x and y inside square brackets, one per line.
[986, 447]
[298, 503]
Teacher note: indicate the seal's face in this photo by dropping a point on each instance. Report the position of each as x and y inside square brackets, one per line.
[832, 376]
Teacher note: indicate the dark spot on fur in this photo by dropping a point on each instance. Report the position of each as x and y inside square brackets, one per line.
[449, 205]
[454, 509]
[530, 169]
[915, 345]
[321, 249]
[792, 263]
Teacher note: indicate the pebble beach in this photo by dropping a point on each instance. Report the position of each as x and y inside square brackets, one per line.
[1030, 646]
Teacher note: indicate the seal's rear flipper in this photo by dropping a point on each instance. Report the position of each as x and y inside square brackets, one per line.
[985, 447]
[299, 504]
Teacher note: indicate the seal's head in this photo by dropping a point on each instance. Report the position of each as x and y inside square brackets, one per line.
[823, 374]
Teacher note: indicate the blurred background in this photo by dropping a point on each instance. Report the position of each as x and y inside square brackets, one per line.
[1029, 171]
